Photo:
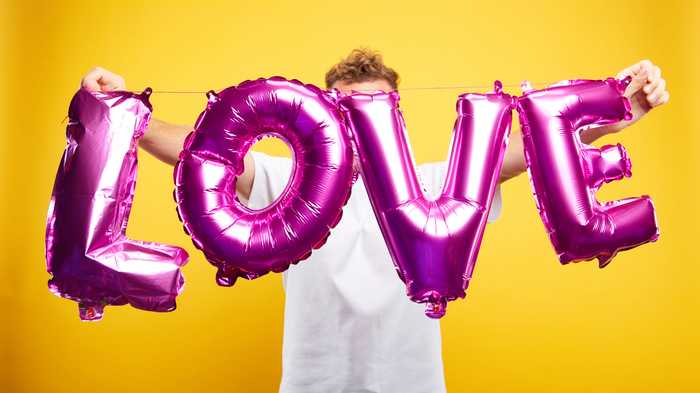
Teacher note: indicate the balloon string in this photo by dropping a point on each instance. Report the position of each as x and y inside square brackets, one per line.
[414, 88]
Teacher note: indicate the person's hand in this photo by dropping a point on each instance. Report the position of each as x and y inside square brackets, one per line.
[646, 91]
[99, 79]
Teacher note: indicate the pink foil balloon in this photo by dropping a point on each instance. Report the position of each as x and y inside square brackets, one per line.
[245, 242]
[434, 243]
[565, 173]
[87, 251]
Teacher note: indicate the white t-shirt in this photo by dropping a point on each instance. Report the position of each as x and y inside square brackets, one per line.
[348, 324]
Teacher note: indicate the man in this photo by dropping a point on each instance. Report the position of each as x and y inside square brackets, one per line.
[349, 326]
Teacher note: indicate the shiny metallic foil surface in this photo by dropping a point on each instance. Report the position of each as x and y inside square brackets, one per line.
[87, 252]
[434, 243]
[566, 174]
[247, 243]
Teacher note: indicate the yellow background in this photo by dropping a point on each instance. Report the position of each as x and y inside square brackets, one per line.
[528, 324]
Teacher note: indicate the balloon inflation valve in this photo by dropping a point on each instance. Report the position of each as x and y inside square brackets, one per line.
[624, 82]
[497, 87]
[90, 313]
[604, 260]
[226, 278]
[435, 306]
[212, 96]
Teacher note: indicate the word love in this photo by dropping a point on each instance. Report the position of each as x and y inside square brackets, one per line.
[434, 243]
[87, 251]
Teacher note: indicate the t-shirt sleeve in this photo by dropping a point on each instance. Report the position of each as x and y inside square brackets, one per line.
[432, 176]
[271, 177]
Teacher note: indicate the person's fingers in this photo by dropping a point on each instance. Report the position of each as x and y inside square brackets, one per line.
[99, 79]
[90, 80]
[90, 84]
[652, 85]
[647, 77]
[629, 71]
[624, 73]
[646, 67]
[635, 69]
[639, 72]
[108, 85]
[657, 91]
[653, 77]
[110, 81]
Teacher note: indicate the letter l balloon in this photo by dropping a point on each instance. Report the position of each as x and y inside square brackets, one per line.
[87, 251]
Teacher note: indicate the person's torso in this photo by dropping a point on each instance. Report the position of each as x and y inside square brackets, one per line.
[349, 326]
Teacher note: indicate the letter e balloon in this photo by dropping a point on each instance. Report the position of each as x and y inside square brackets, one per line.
[565, 173]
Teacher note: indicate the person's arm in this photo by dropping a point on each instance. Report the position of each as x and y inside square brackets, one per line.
[163, 140]
[646, 91]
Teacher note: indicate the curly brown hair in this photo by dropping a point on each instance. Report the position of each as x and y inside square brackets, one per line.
[362, 65]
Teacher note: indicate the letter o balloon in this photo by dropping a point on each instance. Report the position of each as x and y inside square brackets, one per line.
[242, 242]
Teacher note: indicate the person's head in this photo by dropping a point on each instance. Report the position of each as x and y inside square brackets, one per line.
[362, 70]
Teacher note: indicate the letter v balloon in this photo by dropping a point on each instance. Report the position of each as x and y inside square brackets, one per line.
[433, 243]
